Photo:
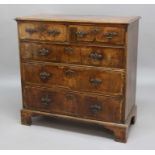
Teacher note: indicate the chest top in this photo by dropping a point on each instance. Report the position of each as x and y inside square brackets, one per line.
[81, 19]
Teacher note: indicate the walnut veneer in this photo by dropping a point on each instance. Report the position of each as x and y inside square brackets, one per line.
[81, 68]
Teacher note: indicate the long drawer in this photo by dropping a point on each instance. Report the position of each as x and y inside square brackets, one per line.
[89, 79]
[93, 56]
[65, 102]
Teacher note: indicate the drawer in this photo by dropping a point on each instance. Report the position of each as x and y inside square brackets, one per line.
[93, 56]
[42, 31]
[100, 34]
[65, 102]
[50, 53]
[88, 79]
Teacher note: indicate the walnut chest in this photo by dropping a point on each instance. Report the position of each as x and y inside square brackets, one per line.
[81, 68]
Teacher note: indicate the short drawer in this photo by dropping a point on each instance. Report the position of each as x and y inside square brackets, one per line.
[65, 102]
[42, 31]
[92, 56]
[50, 53]
[100, 34]
[88, 79]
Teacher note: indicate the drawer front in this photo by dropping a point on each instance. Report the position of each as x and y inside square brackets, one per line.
[50, 53]
[42, 31]
[101, 34]
[75, 78]
[103, 57]
[75, 104]
[93, 56]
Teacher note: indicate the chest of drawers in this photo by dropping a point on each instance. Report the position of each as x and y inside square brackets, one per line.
[79, 68]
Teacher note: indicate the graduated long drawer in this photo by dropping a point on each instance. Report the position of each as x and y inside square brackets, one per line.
[89, 79]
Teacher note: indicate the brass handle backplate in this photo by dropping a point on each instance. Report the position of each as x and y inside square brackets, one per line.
[96, 56]
[46, 100]
[42, 29]
[44, 76]
[53, 32]
[43, 52]
[110, 35]
[31, 30]
[95, 108]
[35, 30]
[95, 82]
[81, 34]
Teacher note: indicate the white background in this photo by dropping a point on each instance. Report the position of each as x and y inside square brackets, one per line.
[54, 134]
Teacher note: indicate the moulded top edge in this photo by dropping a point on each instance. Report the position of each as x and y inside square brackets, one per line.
[81, 19]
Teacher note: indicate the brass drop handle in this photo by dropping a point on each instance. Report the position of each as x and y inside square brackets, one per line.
[46, 100]
[31, 30]
[44, 76]
[95, 108]
[53, 32]
[96, 56]
[95, 82]
[68, 50]
[70, 73]
[81, 34]
[43, 52]
[110, 35]
[38, 29]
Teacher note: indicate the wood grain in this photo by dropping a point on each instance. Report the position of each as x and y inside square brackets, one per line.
[65, 102]
[131, 67]
[97, 34]
[80, 19]
[81, 68]
[109, 57]
[75, 78]
[42, 31]
[119, 130]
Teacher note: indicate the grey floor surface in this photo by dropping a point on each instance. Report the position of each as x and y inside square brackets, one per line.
[47, 133]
